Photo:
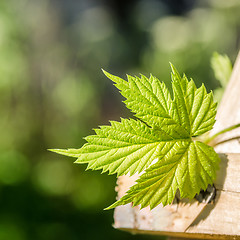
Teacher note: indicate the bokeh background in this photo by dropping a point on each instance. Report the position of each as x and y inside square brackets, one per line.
[52, 93]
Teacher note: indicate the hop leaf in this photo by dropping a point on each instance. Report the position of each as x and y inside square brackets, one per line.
[162, 133]
[222, 68]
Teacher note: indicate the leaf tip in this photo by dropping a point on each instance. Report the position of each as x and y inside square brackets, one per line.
[174, 70]
[117, 80]
[109, 75]
[59, 151]
[112, 206]
[172, 67]
[107, 208]
[71, 152]
[105, 72]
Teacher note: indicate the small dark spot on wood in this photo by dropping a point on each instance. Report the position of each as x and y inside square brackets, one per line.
[206, 196]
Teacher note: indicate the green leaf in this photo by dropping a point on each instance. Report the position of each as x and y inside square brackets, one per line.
[194, 107]
[222, 68]
[159, 142]
[191, 168]
[151, 102]
[126, 147]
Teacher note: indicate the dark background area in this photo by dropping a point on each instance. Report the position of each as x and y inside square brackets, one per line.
[52, 93]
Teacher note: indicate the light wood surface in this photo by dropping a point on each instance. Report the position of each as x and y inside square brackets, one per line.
[229, 114]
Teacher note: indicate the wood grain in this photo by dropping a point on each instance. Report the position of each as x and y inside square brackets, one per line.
[229, 114]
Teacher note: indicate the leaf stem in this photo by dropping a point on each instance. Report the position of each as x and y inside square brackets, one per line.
[221, 132]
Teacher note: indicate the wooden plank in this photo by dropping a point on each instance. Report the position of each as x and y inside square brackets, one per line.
[228, 177]
[229, 114]
[179, 238]
[183, 235]
[124, 215]
[223, 217]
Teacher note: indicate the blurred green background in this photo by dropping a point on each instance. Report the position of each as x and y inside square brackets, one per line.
[52, 93]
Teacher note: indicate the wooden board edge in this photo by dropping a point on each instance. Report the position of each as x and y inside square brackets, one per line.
[181, 234]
